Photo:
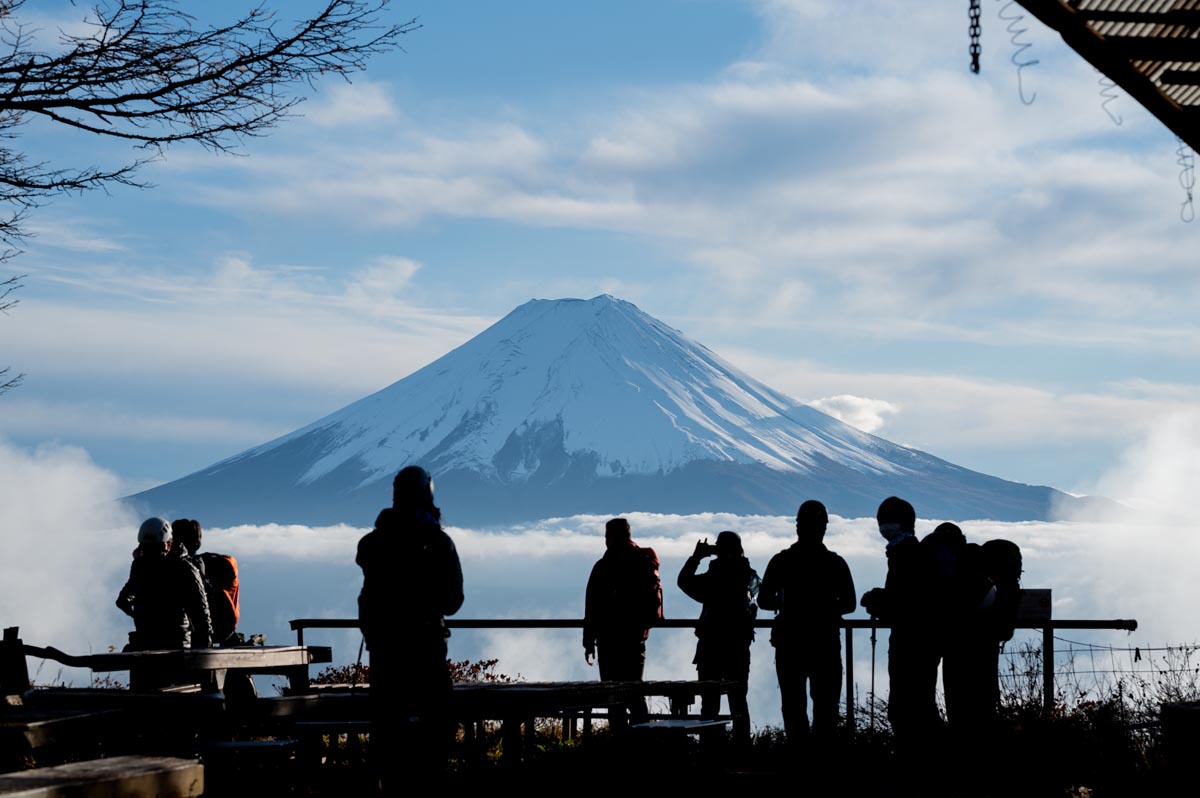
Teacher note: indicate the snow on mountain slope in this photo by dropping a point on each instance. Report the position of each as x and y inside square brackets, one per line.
[579, 402]
[623, 385]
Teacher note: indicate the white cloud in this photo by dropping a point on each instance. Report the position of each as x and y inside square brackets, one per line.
[869, 415]
[283, 325]
[88, 419]
[287, 541]
[931, 225]
[66, 545]
[1159, 475]
[344, 104]
[72, 234]
[945, 410]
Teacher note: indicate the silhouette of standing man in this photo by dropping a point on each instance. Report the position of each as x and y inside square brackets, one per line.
[412, 578]
[810, 589]
[623, 600]
[726, 627]
[905, 603]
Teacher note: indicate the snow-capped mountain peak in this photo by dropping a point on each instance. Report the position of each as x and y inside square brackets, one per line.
[564, 405]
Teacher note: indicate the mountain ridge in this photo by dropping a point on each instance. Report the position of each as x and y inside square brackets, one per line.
[569, 406]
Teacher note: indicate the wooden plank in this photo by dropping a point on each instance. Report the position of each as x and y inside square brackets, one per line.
[314, 707]
[1173, 16]
[1155, 48]
[680, 725]
[266, 658]
[157, 708]
[209, 659]
[118, 777]
[1180, 77]
[31, 729]
[491, 700]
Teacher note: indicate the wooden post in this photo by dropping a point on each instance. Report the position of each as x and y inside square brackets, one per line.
[850, 678]
[14, 675]
[1048, 668]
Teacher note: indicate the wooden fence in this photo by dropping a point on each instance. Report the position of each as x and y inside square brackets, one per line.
[1046, 626]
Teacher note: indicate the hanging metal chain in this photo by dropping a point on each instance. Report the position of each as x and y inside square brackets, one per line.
[974, 30]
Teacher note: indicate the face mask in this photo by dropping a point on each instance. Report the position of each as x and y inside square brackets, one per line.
[893, 533]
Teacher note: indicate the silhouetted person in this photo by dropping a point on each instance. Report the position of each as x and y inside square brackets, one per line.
[219, 574]
[970, 668]
[1003, 565]
[623, 600]
[412, 579]
[726, 626]
[903, 603]
[810, 588]
[164, 595]
[959, 595]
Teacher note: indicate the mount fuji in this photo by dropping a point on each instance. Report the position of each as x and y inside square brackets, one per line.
[583, 406]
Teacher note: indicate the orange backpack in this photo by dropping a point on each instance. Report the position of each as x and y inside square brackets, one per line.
[221, 570]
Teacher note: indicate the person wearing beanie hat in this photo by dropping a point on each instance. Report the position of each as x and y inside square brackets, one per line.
[412, 579]
[622, 601]
[904, 603]
[810, 588]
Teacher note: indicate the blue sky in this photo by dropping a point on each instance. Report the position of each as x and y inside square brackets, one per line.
[819, 191]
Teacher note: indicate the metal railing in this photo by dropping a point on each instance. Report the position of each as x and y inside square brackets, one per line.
[1047, 628]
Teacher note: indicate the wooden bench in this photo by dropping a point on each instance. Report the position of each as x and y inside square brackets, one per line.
[28, 729]
[312, 735]
[163, 777]
[257, 752]
[680, 725]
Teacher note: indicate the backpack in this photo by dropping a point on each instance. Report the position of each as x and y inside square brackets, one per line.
[959, 586]
[652, 588]
[221, 584]
[1002, 562]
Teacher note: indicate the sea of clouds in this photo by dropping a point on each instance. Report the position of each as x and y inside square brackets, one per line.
[67, 548]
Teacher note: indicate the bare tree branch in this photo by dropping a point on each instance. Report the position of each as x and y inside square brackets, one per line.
[145, 72]
[6, 289]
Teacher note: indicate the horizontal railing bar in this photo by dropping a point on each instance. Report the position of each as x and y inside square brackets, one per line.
[299, 624]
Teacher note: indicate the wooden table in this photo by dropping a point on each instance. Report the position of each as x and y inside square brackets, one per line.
[290, 661]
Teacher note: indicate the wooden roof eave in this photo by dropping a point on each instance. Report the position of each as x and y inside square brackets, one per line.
[1099, 52]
